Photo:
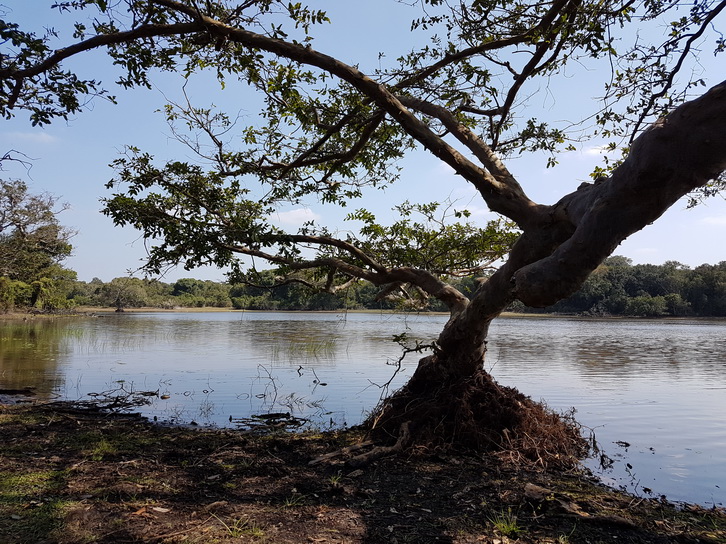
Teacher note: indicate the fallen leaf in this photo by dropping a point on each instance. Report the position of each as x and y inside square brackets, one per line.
[160, 509]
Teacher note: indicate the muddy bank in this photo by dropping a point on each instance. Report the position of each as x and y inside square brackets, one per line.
[69, 476]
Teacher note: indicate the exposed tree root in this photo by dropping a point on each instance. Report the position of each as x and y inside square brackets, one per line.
[333, 457]
[364, 459]
[477, 414]
[375, 451]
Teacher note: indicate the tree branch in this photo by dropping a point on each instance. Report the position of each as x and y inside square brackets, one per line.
[679, 153]
[712, 14]
[510, 200]
[103, 40]
[566, 8]
[503, 198]
[492, 45]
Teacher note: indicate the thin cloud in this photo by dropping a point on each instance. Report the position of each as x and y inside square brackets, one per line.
[596, 150]
[297, 217]
[32, 137]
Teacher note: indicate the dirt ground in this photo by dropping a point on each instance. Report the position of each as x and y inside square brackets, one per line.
[70, 476]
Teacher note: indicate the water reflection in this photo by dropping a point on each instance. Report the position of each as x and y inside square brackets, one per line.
[30, 352]
[657, 386]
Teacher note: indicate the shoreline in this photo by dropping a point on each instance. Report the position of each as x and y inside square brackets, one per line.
[83, 476]
[90, 311]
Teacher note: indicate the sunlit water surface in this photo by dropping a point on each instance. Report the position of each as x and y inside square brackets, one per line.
[653, 391]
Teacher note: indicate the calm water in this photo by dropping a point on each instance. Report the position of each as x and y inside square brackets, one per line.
[654, 392]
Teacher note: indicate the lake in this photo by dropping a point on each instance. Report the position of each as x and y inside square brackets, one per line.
[652, 391]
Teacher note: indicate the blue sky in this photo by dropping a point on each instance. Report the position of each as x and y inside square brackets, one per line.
[71, 158]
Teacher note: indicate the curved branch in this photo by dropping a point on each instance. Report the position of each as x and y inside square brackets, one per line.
[499, 194]
[306, 159]
[501, 197]
[681, 152]
[451, 58]
[676, 69]
[531, 68]
[103, 40]
[340, 244]
[373, 123]
[511, 200]
[454, 299]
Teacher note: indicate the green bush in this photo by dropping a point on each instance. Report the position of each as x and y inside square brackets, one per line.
[13, 293]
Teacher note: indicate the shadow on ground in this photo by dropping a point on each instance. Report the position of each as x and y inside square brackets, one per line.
[73, 477]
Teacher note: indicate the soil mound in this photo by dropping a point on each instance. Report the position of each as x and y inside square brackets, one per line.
[478, 414]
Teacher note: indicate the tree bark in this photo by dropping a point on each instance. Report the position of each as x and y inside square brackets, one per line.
[681, 152]
[556, 253]
[552, 259]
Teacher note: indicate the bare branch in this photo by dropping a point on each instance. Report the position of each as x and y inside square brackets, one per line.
[492, 45]
[712, 14]
[566, 9]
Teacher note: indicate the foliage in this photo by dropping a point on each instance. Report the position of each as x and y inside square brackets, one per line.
[31, 238]
[618, 287]
[326, 132]
[32, 246]
[13, 293]
[432, 244]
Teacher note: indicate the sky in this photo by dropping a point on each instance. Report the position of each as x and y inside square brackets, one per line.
[70, 159]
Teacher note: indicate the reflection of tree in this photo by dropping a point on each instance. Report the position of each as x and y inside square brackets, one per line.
[30, 354]
[605, 352]
[295, 342]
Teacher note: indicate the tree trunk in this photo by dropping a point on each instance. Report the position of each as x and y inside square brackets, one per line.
[450, 398]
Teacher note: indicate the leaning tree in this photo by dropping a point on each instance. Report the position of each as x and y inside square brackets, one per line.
[329, 131]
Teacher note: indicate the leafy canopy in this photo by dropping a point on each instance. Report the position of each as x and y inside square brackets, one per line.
[327, 131]
[32, 241]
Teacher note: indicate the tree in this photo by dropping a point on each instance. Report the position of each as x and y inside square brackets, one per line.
[33, 244]
[201, 293]
[327, 130]
[123, 293]
[31, 237]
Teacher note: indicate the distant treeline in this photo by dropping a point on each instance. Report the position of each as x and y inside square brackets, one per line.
[616, 288]
[129, 292]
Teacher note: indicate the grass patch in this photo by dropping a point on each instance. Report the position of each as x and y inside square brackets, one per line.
[22, 486]
[75, 478]
[294, 500]
[505, 522]
[29, 511]
[241, 527]
[102, 449]
[37, 523]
